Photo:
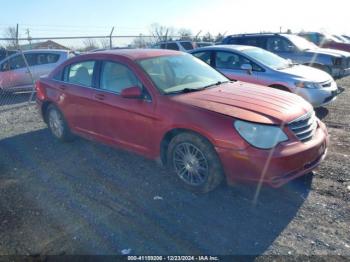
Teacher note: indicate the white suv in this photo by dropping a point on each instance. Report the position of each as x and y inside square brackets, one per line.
[184, 46]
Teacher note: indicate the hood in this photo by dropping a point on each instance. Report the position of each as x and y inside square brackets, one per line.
[328, 51]
[307, 73]
[249, 102]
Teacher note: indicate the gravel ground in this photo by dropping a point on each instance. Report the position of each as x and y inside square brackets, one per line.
[86, 198]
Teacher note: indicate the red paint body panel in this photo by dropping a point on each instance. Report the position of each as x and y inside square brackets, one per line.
[140, 125]
[335, 45]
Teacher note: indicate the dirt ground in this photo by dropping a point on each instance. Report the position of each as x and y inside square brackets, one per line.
[86, 198]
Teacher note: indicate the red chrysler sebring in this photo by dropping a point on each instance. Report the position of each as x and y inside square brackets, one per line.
[170, 106]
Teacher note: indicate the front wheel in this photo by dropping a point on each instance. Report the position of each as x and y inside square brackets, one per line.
[57, 124]
[195, 162]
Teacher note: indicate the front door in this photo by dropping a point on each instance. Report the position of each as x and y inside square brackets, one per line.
[124, 121]
[230, 64]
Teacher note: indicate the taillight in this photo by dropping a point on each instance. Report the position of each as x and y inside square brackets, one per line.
[40, 91]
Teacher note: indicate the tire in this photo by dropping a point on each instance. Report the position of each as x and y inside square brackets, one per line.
[57, 124]
[195, 162]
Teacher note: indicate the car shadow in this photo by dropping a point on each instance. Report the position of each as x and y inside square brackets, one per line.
[94, 199]
[321, 112]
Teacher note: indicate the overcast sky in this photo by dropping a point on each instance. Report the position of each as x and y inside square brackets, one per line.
[88, 17]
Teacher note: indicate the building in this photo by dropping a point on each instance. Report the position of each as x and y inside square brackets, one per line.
[49, 44]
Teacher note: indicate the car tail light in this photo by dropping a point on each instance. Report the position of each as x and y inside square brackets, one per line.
[40, 91]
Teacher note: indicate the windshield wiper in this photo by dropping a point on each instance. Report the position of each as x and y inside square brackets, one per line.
[189, 90]
[214, 84]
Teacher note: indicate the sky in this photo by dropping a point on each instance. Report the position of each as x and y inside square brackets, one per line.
[132, 17]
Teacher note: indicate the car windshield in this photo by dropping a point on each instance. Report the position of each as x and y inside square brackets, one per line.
[180, 73]
[301, 43]
[267, 58]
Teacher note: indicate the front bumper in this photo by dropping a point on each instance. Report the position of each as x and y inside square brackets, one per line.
[320, 97]
[340, 72]
[275, 168]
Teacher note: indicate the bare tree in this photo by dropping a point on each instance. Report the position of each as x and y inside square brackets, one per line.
[141, 42]
[105, 43]
[11, 32]
[161, 33]
[208, 37]
[185, 34]
[89, 44]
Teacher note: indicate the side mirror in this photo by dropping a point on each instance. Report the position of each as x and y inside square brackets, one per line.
[247, 67]
[131, 92]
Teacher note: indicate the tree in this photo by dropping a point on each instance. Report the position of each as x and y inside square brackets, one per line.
[219, 38]
[105, 43]
[208, 38]
[89, 44]
[185, 34]
[161, 33]
[11, 32]
[141, 42]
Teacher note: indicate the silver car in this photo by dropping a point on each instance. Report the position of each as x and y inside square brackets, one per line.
[14, 75]
[256, 65]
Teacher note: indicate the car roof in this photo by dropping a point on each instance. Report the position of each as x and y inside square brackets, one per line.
[46, 51]
[225, 47]
[258, 34]
[137, 54]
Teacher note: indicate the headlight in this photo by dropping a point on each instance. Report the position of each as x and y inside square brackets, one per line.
[303, 84]
[259, 135]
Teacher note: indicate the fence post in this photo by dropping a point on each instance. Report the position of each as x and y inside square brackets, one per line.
[110, 38]
[26, 63]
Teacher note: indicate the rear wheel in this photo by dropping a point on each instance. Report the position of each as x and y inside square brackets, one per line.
[57, 124]
[195, 162]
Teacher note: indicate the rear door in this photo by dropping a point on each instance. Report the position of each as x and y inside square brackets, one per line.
[45, 63]
[75, 98]
[230, 64]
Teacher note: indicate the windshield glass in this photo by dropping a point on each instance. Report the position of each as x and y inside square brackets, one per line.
[267, 58]
[301, 43]
[176, 73]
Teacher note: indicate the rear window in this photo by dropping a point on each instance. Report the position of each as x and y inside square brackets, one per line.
[187, 45]
[172, 46]
[80, 73]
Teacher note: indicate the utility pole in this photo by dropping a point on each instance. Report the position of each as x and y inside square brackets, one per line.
[17, 36]
[29, 38]
[110, 38]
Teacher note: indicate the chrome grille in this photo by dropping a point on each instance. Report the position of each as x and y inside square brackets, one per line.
[304, 127]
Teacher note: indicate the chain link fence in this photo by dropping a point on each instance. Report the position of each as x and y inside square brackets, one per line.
[20, 63]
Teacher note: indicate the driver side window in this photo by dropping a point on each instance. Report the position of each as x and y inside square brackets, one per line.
[227, 60]
[116, 77]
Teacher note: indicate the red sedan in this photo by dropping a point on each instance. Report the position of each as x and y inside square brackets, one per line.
[170, 106]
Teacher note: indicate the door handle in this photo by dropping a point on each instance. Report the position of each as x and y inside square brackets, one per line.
[100, 96]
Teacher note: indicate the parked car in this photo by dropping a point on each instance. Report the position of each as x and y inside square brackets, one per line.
[326, 41]
[342, 39]
[14, 74]
[170, 106]
[204, 44]
[179, 45]
[5, 53]
[256, 65]
[299, 50]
